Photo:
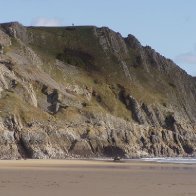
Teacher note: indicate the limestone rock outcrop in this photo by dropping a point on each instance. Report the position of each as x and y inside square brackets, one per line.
[88, 92]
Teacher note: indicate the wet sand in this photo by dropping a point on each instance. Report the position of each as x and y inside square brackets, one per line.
[86, 178]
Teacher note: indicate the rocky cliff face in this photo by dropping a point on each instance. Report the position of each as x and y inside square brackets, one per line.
[89, 92]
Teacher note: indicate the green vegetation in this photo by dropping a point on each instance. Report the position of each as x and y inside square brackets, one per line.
[10, 103]
[87, 65]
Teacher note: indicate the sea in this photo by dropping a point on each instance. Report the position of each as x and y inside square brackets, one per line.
[171, 160]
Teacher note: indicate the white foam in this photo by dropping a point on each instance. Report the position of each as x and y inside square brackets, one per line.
[171, 160]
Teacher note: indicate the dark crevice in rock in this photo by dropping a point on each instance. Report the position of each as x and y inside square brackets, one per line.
[176, 139]
[132, 105]
[136, 111]
[23, 150]
[91, 146]
[126, 139]
[53, 99]
[188, 148]
[7, 64]
[164, 136]
[97, 96]
[72, 145]
[150, 115]
[143, 142]
[112, 151]
[112, 138]
[169, 122]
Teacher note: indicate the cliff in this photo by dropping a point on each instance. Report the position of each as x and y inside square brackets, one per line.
[89, 92]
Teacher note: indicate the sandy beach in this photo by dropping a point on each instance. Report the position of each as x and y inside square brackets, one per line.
[106, 178]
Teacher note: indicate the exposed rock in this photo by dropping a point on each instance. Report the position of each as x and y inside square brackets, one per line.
[105, 96]
[15, 29]
[1, 49]
[136, 110]
[111, 40]
[5, 40]
[150, 115]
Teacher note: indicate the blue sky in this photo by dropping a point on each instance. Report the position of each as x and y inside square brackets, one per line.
[168, 26]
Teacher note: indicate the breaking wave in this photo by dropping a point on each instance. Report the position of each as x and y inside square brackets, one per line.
[171, 160]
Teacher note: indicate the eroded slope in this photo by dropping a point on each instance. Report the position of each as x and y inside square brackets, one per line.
[89, 92]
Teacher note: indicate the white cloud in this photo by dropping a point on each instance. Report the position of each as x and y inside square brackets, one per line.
[46, 22]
